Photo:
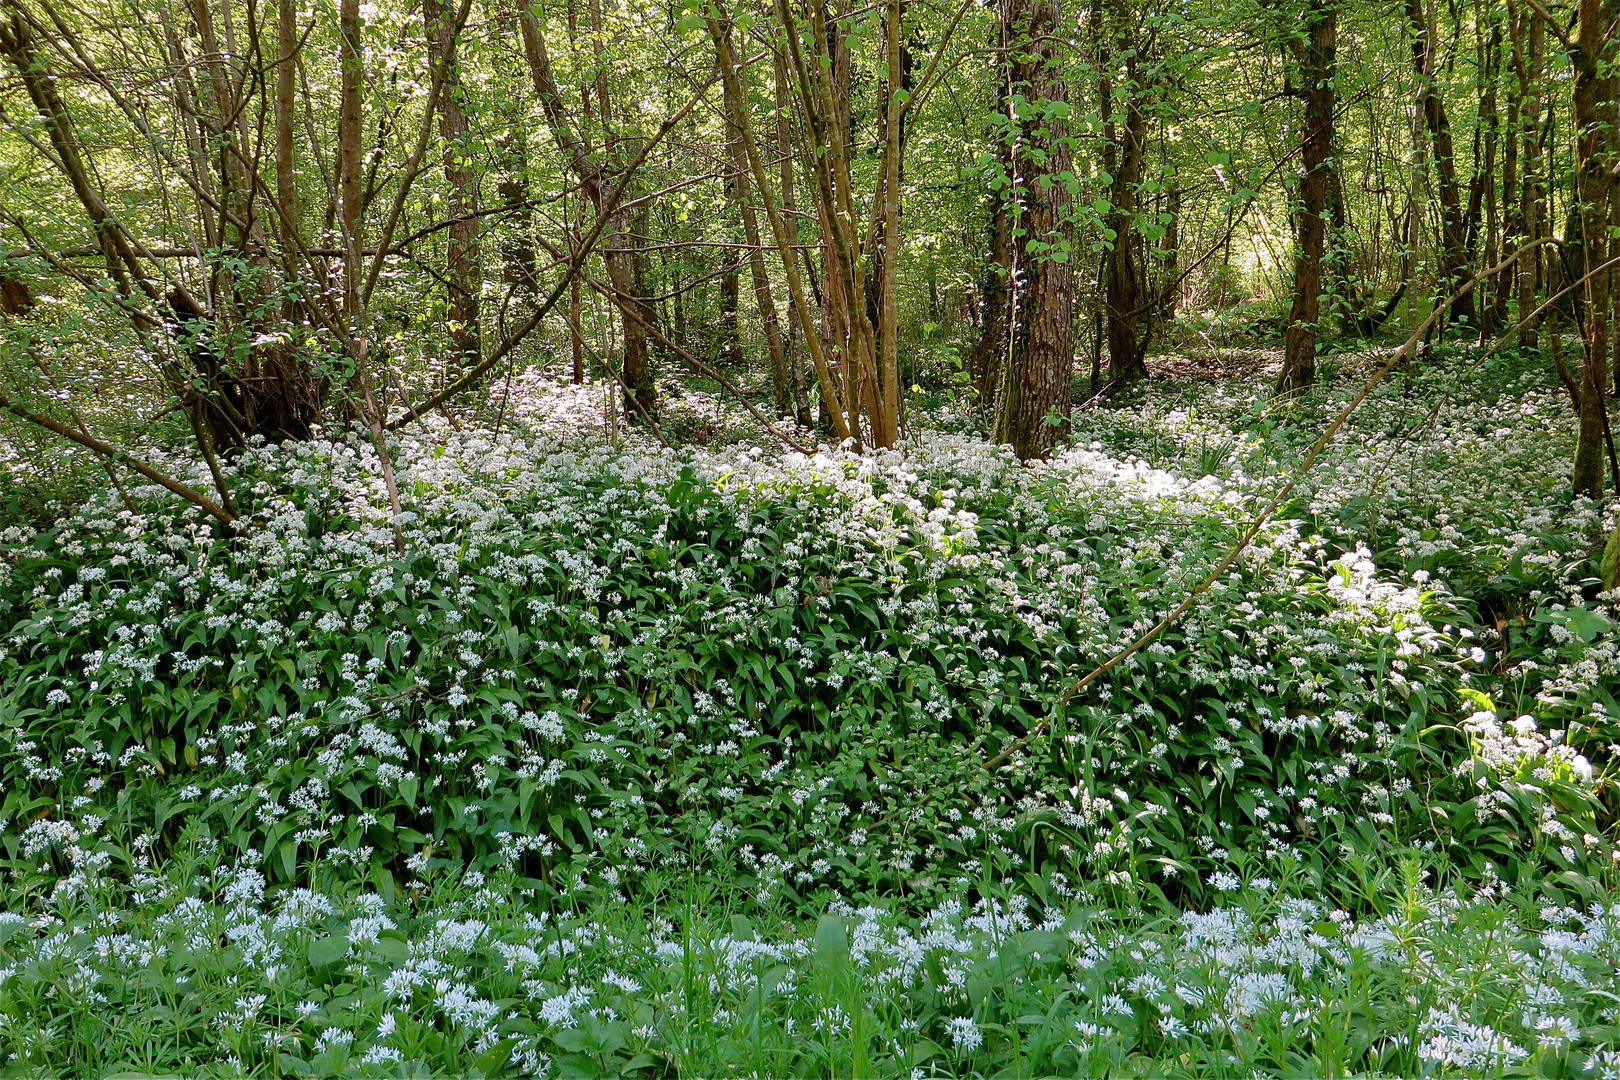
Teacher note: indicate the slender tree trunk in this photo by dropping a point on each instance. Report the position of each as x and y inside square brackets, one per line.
[349, 178]
[1489, 120]
[1039, 373]
[576, 339]
[730, 339]
[288, 211]
[464, 271]
[772, 324]
[886, 415]
[1454, 219]
[1316, 73]
[830, 392]
[1592, 115]
[995, 292]
[1168, 290]
[517, 250]
[619, 248]
[1532, 189]
[1123, 136]
[784, 151]
[1504, 285]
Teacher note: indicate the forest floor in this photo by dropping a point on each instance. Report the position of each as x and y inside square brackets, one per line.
[651, 761]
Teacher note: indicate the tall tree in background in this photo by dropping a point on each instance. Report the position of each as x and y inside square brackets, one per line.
[596, 179]
[782, 389]
[1437, 123]
[1529, 47]
[1314, 64]
[464, 267]
[1040, 364]
[1592, 107]
[1120, 99]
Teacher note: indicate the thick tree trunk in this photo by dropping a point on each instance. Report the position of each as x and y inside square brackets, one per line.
[1316, 73]
[1039, 372]
[464, 270]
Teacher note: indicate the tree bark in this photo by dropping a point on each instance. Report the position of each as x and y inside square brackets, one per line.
[832, 398]
[1316, 72]
[1592, 115]
[1454, 219]
[784, 152]
[1532, 189]
[349, 179]
[1492, 305]
[288, 211]
[1039, 373]
[780, 383]
[464, 271]
[1124, 128]
[995, 298]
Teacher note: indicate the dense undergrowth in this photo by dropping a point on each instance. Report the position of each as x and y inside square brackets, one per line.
[566, 784]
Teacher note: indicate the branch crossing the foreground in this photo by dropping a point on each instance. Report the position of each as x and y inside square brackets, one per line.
[112, 453]
[1271, 508]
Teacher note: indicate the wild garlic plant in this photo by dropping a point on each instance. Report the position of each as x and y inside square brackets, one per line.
[609, 677]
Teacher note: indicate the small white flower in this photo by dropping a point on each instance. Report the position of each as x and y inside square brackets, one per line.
[964, 1033]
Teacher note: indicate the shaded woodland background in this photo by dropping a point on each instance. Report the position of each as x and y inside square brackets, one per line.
[229, 219]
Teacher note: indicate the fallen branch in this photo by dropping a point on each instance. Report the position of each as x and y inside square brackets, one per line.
[122, 457]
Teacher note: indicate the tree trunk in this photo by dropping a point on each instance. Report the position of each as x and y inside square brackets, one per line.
[1454, 219]
[290, 225]
[784, 152]
[772, 324]
[1503, 286]
[1039, 372]
[1592, 109]
[1532, 189]
[350, 205]
[886, 411]
[832, 399]
[1123, 132]
[619, 249]
[730, 340]
[1316, 72]
[1168, 291]
[463, 273]
[995, 303]
[1490, 309]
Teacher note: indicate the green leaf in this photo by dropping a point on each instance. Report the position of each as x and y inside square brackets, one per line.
[493, 1060]
[832, 937]
[1609, 566]
[326, 951]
